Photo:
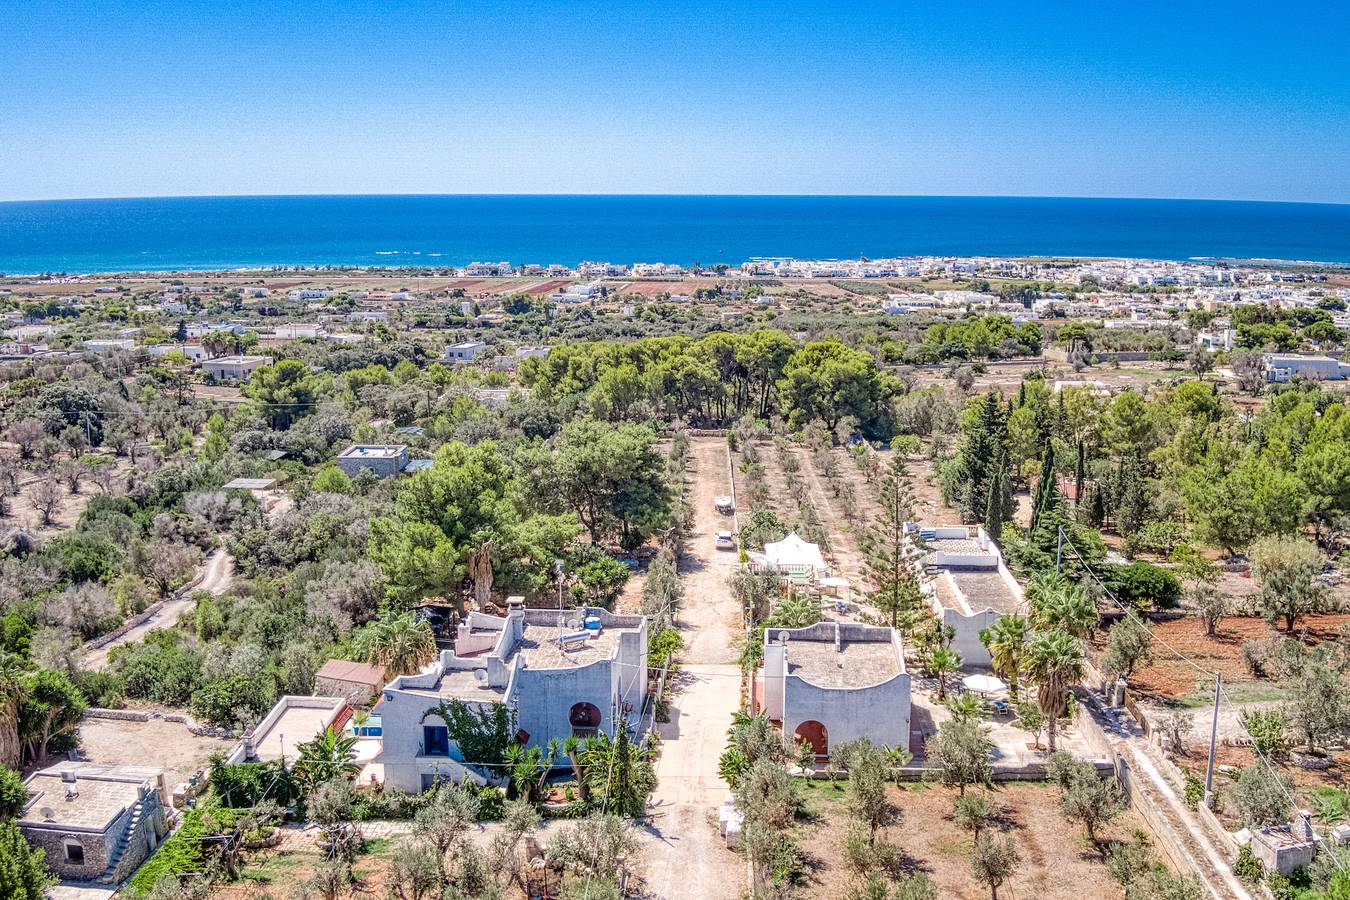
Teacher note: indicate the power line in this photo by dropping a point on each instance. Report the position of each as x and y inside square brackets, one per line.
[1222, 694]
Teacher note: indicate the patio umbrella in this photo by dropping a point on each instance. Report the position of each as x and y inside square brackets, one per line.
[983, 684]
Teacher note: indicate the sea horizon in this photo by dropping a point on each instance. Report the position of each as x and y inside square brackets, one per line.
[432, 231]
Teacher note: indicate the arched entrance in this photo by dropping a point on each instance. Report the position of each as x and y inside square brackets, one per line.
[585, 719]
[814, 734]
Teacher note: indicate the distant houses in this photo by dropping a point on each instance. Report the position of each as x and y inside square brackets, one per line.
[234, 368]
[381, 460]
[463, 352]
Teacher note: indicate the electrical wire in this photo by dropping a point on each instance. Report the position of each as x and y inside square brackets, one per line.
[1223, 694]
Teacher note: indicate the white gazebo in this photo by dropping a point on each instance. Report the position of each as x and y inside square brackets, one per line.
[792, 556]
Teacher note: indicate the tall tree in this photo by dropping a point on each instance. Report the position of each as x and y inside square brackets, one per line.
[11, 697]
[1006, 640]
[1047, 488]
[984, 440]
[890, 551]
[1054, 663]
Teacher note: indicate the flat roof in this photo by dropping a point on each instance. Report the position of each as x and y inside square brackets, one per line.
[99, 798]
[542, 650]
[356, 672]
[986, 589]
[294, 726]
[237, 360]
[855, 664]
[373, 451]
[250, 484]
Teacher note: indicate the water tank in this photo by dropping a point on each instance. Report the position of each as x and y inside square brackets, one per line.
[592, 623]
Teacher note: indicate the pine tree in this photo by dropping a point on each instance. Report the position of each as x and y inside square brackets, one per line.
[984, 437]
[622, 774]
[23, 870]
[896, 589]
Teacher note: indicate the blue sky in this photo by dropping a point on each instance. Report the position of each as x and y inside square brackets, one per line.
[1243, 100]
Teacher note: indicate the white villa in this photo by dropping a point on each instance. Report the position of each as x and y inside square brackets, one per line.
[968, 585]
[834, 682]
[563, 673]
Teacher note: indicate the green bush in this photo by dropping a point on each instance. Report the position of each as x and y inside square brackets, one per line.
[1248, 867]
[247, 784]
[1195, 789]
[390, 805]
[1143, 585]
[182, 852]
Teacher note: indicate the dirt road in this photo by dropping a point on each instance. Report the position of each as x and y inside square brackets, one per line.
[218, 570]
[687, 858]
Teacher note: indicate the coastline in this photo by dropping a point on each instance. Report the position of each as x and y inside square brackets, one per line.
[438, 233]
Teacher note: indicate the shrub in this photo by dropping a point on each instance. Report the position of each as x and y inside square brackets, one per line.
[1143, 586]
[1248, 867]
[1268, 730]
[1195, 789]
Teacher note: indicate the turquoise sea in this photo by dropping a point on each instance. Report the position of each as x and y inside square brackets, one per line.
[451, 230]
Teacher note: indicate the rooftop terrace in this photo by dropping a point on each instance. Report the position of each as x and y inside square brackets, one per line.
[855, 664]
[98, 800]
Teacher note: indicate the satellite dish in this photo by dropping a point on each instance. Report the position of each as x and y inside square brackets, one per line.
[574, 622]
[480, 675]
[47, 813]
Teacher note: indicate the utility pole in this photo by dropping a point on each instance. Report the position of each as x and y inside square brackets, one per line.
[1059, 551]
[1213, 737]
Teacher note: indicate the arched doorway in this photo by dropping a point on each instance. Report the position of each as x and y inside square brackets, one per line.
[814, 734]
[585, 719]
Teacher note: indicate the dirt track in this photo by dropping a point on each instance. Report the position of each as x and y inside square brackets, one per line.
[688, 858]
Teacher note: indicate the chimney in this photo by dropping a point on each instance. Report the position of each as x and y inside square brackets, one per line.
[515, 605]
[1306, 818]
[68, 776]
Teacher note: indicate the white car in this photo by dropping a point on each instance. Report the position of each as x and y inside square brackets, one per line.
[725, 541]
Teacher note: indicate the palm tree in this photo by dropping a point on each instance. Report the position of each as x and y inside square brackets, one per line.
[965, 708]
[397, 641]
[479, 562]
[572, 748]
[11, 694]
[1054, 662]
[1065, 607]
[1007, 643]
[944, 662]
[330, 755]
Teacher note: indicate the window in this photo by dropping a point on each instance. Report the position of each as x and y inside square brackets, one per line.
[74, 853]
[435, 740]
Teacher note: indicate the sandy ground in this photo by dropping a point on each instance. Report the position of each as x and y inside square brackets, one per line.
[1057, 861]
[687, 858]
[154, 743]
[219, 570]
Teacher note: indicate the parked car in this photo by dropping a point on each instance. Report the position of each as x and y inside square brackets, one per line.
[725, 541]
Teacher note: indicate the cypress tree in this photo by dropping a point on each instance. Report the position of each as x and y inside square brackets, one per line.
[993, 510]
[1047, 491]
[983, 440]
[1080, 475]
